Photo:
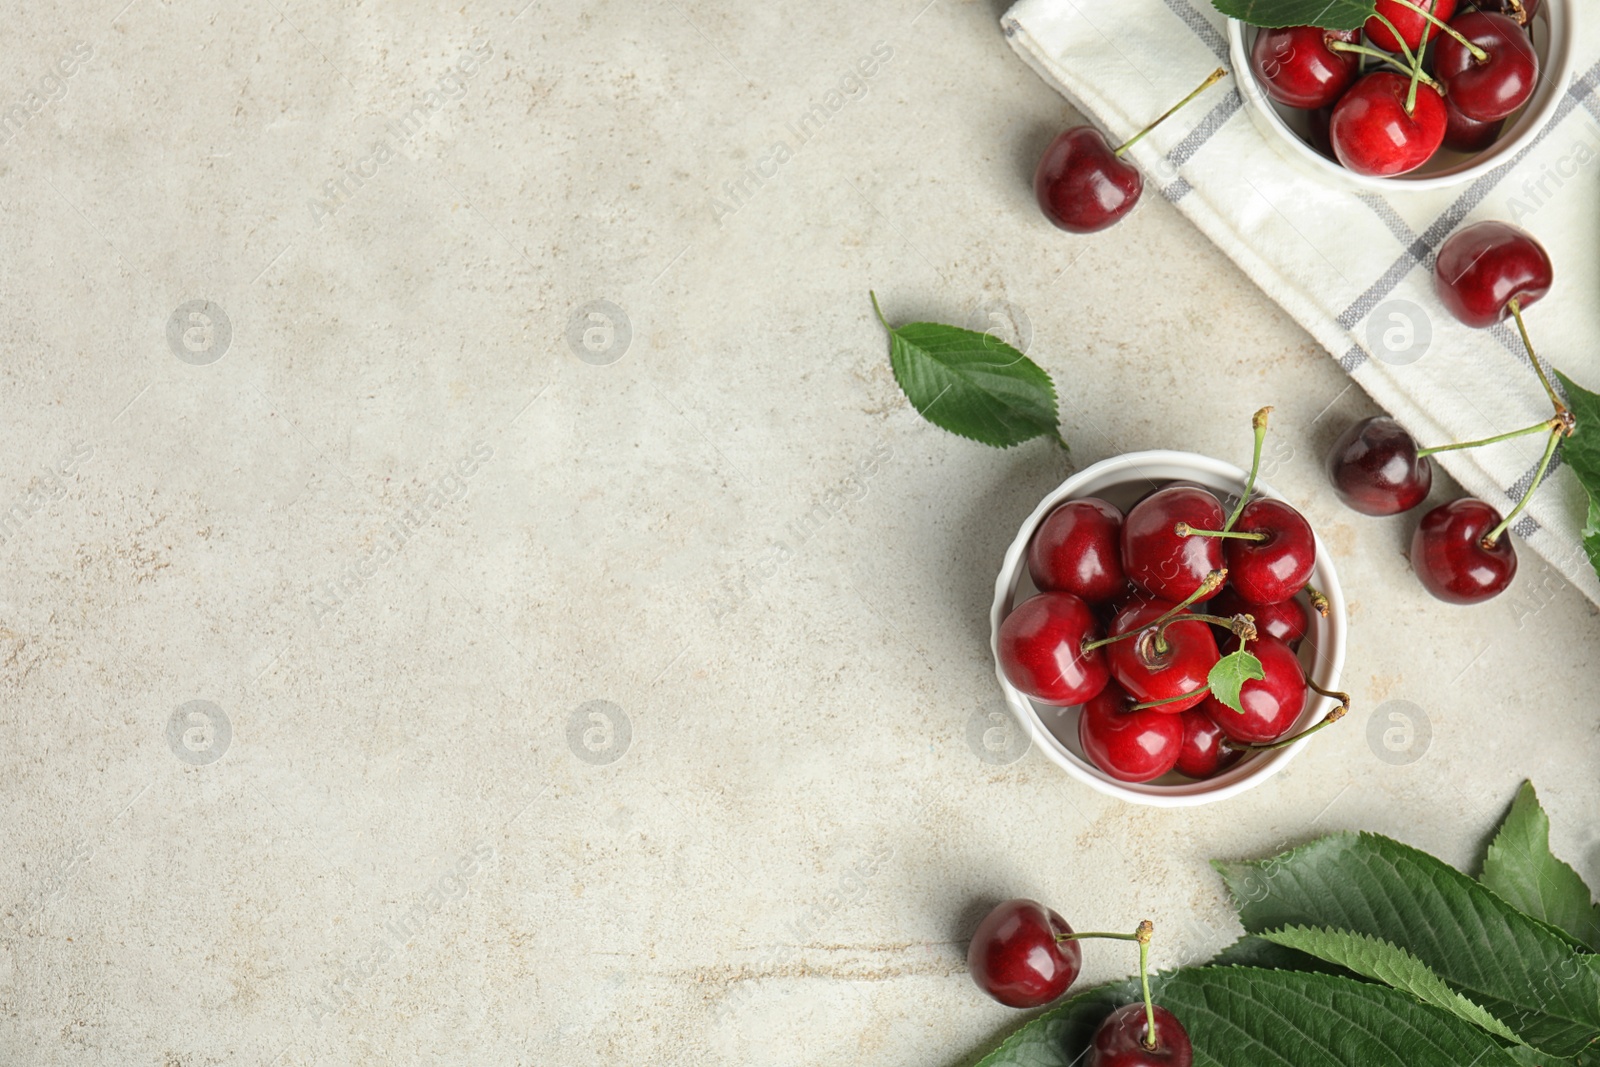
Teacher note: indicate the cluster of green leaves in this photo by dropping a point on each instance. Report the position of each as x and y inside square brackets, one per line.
[1364, 952]
[1329, 14]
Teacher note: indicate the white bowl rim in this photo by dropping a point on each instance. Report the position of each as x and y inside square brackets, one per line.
[1231, 784]
[1562, 15]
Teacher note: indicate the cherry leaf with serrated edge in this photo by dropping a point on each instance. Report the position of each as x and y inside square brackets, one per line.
[972, 384]
[1229, 674]
[1329, 14]
[1581, 453]
[1520, 868]
[1372, 957]
[1519, 969]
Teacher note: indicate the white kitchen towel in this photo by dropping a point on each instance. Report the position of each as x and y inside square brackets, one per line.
[1356, 270]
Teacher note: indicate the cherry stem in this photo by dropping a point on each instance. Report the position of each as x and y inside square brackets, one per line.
[1411, 57]
[1319, 601]
[1538, 427]
[1333, 694]
[1477, 53]
[1361, 49]
[1242, 626]
[1258, 423]
[1183, 529]
[1332, 717]
[1212, 583]
[1146, 928]
[1556, 436]
[1097, 933]
[1171, 700]
[1533, 357]
[1216, 76]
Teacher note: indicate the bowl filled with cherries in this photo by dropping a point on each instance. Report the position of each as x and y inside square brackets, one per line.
[1427, 94]
[1169, 628]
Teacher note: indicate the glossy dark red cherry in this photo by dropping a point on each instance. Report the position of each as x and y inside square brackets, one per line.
[1041, 650]
[1155, 558]
[1409, 22]
[1082, 185]
[1297, 68]
[1462, 134]
[1375, 468]
[1206, 750]
[1487, 90]
[1272, 704]
[1130, 746]
[1147, 672]
[1078, 550]
[1448, 555]
[1372, 132]
[1288, 620]
[1485, 266]
[1120, 1040]
[1273, 570]
[1015, 956]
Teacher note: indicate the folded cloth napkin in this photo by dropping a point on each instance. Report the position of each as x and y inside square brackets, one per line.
[1356, 270]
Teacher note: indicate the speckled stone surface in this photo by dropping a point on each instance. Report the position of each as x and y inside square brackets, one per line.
[473, 593]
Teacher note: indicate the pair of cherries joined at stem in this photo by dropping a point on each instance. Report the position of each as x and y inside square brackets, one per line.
[1484, 274]
[1112, 629]
[1390, 121]
[1024, 955]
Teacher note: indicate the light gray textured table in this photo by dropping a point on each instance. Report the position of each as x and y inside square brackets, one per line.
[623, 708]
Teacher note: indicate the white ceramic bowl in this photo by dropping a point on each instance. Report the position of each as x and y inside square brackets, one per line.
[1287, 128]
[1124, 480]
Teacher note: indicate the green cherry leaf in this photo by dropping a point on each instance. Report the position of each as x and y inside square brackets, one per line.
[1521, 870]
[1582, 453]
[972, 384]
[1383, 961]
[1329, 14]
[1228, 676]
[1516, 967]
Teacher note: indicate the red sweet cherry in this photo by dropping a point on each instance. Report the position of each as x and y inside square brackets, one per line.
[1159, 561]
[1041, 650]
[1297, 67]
[1120, 1040]
[1372, 132]
[1082, 185]
[1449, 556]
[1272, 704]
[1482, 268]
[1288, 620]
[1017, 958]
[1078, 550]
[1462, 134]
[1375, 468]
[1130, 746]
[1206, 750]
[1488, 89]
[1149, 672]
[1411, 24]
[1279, 566]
